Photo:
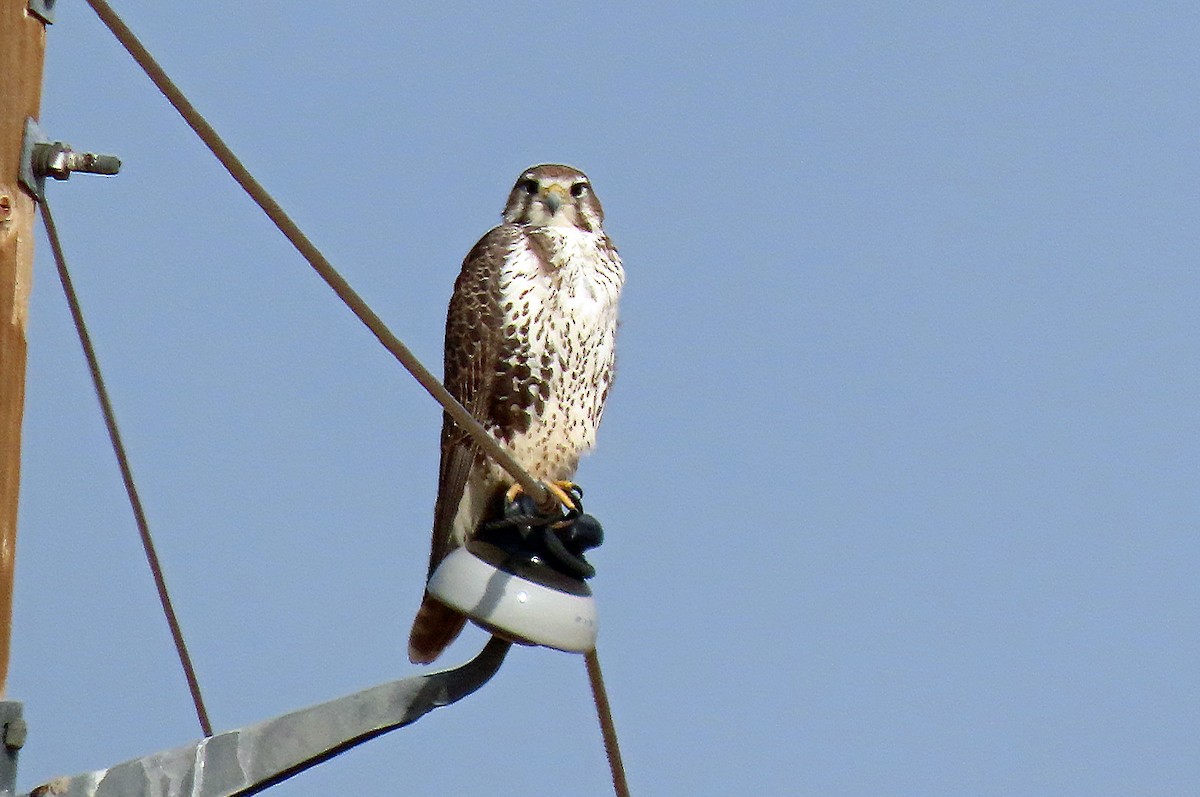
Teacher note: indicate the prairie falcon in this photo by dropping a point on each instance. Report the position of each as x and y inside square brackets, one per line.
[530, 339]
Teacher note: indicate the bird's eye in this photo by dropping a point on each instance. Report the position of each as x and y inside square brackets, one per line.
[579, 189]
[528, 186]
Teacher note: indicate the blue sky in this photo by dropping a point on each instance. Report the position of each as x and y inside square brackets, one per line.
[899, 476]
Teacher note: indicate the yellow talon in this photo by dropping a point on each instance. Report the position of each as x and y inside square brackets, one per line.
[558, 489]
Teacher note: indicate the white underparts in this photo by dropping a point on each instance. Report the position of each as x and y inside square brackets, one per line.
[571, 312]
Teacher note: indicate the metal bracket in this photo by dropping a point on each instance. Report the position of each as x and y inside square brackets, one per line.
[247, 760]
[43, 10]
[12, 739]
[33, 136]
[42, 158]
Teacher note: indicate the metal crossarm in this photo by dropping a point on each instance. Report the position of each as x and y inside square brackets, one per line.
[247, 760]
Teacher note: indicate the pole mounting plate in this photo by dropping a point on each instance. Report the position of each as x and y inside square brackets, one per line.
[33, 184]
[12, 734]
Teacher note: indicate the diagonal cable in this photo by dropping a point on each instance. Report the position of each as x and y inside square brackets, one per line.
[607, 728]
[309, 251]
[488, 444]
[114, 435]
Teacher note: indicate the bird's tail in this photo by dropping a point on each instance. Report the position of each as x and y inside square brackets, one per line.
[435, 627]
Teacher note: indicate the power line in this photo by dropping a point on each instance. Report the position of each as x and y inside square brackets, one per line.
[309, 252]
[114, 435]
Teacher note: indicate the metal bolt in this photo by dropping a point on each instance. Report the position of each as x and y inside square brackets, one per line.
[5, 207]
[58, 160]
[15, 732]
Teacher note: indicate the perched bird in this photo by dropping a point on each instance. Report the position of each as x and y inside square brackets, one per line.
[530, 344]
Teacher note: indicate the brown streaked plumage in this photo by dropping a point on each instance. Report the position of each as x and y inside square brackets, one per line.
[530, 337]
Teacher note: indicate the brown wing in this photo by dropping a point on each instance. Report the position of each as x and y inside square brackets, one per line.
[474, 342]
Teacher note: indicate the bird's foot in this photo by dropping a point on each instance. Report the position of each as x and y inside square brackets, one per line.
[546, 536]
[561, 491]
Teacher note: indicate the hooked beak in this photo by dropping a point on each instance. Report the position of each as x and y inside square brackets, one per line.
[553, 197]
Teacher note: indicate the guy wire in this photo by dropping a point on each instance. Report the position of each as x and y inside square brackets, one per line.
[114, 435]
[607, 729]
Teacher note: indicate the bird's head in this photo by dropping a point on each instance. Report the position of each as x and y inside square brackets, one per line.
[552, 195]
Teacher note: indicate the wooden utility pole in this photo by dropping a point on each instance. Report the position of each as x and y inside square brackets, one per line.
[22, 49]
